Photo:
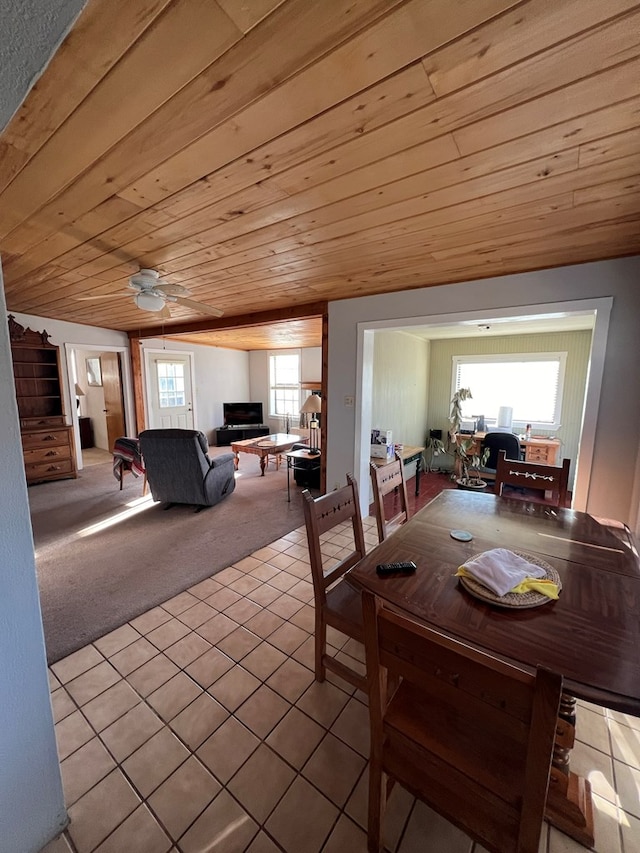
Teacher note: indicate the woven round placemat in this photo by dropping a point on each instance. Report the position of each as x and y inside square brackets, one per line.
[514, 599]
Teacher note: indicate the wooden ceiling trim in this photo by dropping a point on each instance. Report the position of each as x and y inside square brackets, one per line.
[247, 15]
[531, 28]
[383, 102]
[163, 259]
[497, 5]
[259, 318]
[84, 56]
[624, 167]
[597, 91]
[71, 150]
[403, 36]
[246, 72]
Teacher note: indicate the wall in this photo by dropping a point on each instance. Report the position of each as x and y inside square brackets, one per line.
[31, 801]
[400, 386]
[32, 31]
[577, 346]
[310, 370]
[612, 474]
[92, 404]
[220, 376]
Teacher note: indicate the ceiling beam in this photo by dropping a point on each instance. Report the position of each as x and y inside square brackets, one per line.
[260, 318]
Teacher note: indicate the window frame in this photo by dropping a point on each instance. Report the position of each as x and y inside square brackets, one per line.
[518, 423]
[287, 386]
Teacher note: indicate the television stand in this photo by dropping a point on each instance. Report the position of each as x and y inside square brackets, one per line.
[227, 435]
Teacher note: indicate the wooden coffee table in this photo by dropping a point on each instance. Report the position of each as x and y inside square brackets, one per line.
[267, 445]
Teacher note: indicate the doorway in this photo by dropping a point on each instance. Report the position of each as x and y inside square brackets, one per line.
[170, 398]
[102, 405]
[598, 308]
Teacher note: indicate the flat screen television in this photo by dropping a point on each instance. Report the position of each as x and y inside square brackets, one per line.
[242, 414]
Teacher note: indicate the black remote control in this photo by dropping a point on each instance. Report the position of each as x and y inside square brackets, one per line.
[408, 567]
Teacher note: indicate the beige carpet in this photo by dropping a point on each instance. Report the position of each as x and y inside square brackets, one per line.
[104, 556]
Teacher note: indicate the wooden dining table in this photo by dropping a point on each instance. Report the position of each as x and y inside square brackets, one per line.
[591, 634]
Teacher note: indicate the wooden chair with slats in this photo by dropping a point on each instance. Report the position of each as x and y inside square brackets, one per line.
[386, 479]
[469, 735]
[533, 475]
[336, 603]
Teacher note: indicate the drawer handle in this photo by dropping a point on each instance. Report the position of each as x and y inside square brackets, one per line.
[53, 468]
[52, 453]
[48, 437]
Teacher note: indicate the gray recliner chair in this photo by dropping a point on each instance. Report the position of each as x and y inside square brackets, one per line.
[179, 470]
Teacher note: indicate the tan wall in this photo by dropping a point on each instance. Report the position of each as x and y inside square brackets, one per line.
[577, 346]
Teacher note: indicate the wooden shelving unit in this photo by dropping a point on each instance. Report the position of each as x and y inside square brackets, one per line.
[47, 440]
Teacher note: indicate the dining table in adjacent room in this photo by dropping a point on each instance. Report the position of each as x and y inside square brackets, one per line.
[590, 634]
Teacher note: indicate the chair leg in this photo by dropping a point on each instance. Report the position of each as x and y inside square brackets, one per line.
[377, 803]
[320, 646]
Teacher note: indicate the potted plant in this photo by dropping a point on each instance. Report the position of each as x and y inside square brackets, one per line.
[470, 462]
[435, 447]
[466, 473]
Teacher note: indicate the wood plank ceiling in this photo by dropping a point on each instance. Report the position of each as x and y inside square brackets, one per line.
[267, 154]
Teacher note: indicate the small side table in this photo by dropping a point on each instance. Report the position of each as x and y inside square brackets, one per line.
[311, 460]
[86, 431]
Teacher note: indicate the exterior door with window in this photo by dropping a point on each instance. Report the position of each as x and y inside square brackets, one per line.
[170, 391]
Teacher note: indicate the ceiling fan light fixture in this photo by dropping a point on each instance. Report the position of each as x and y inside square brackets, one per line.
[149, 301]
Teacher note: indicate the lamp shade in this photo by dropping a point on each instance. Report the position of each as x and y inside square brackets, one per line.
[313, 403]
[79, 391]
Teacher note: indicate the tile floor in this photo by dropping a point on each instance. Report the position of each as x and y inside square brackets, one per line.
[198, 727]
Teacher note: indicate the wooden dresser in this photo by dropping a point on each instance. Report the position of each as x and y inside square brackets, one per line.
[47, 440]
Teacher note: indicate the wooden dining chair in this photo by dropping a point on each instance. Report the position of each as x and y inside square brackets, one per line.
[467, 734]
[533, 475]
[386, 479]
[336, 603]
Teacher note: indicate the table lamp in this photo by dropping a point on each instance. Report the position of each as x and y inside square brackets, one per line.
[313, 404]
[79, 393]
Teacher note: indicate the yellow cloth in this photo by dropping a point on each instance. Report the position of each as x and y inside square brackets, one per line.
[546, 587]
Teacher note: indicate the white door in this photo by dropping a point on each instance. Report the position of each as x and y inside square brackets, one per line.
[170, 390]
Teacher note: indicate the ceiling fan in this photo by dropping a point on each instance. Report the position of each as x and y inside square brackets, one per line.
[151, 293]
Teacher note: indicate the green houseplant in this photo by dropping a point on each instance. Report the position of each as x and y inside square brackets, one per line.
[466, 471]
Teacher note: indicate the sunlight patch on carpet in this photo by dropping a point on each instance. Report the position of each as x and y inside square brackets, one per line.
[133, 508]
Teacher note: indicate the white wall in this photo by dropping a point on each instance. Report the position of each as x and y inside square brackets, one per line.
[617, 430]
[220, 376]
[310, 371]
[31, 800]
[400, 385]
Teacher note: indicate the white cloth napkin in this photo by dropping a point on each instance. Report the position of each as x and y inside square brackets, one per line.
[500, 570]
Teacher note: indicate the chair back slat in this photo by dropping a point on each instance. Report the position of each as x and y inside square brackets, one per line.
[336, 603]
[323, 514]
[470, 735]
[534, 475]
[386, 479]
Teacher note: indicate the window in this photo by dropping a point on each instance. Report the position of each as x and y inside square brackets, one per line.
[530, 384]
[284, 383]
[170, 384]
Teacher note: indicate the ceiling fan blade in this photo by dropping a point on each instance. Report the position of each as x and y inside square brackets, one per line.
[165, 313]
[198, 306]
[172, 289]
[103, 296]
